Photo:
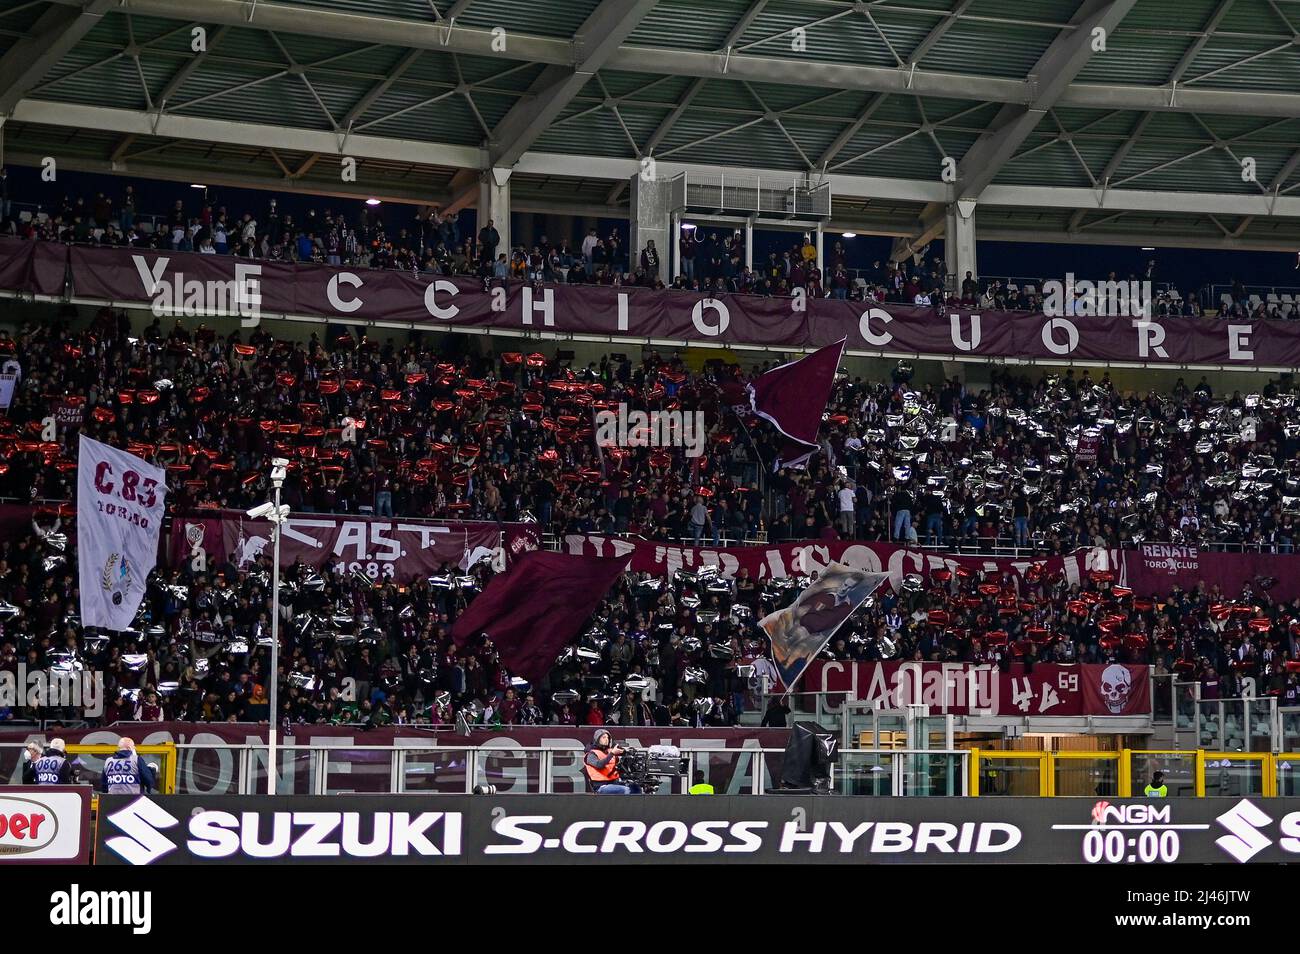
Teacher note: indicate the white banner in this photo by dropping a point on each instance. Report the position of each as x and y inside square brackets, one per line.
[8, 382]
[120, 502]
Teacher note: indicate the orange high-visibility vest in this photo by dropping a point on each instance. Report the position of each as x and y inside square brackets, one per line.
[602, 775]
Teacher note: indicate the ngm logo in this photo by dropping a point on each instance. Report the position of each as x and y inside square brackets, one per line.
[1104, 813]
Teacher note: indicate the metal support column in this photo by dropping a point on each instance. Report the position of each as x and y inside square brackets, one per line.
[652, 219]
[674, 246]
[959, 241]
[494, 205]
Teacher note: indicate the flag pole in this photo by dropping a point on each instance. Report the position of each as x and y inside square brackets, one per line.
[274, 700]
[762, 466]
[279, 469]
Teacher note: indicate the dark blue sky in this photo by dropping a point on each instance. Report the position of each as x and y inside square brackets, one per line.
[1186, 268]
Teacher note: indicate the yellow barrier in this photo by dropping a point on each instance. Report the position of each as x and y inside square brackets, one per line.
[1125, 774]
[1176, 764]
[1002, 776]
[1086, 773]
[1286, 773]
[164, 754]
[1257, 771]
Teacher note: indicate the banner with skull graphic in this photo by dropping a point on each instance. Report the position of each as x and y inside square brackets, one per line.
[1045, 689]
[1117, 689]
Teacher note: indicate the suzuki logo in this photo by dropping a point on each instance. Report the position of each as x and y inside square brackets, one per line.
[142, 842]
[1244, 820]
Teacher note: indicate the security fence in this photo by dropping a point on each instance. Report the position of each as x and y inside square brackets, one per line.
[512, 769]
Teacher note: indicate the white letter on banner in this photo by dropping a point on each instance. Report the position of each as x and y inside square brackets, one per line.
[697, 316]
[546, 307]
[1151, 337]
[957, 341]
[1071, 336]
[622, 311]
[332, 292]
[248, 289]
[864, 326]
[150, 275]
[1238, 341]
[431, 301]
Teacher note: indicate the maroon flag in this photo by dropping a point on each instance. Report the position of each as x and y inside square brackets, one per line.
[534, 609]
[793, 397]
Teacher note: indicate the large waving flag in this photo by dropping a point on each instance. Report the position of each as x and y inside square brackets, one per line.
[534, 609]
[793, 398]
[120, 505]
[801, 630]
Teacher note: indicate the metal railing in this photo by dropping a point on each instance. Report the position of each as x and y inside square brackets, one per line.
[537, 770]
[1238, 724]
[24, 212]
[424, 769]
[741, 193]
[1246, 724]
[1212, 296]
[1288, 720]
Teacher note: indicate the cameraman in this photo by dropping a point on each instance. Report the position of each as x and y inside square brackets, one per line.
[601, 765]
[31, 754]
[52, 767]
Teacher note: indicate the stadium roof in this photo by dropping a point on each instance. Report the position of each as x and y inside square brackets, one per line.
[1142, 142]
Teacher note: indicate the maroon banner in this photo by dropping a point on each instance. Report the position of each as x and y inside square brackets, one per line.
[211, 769]
[187, 283]
[1048, 689]
[397, 549]
[1152, 570]
[69, 412]
[1155, 568]
[49, 275]
[793, 398]
[787, 559]
[16, 520]
[16, 264]
[1089, 444]
[183, 283]
[535, 609]
[528, 736]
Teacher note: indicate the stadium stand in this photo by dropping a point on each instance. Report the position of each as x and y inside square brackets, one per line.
[500, 439]
[712, 261]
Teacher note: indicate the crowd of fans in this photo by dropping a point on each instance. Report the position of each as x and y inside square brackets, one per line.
[709, 261]
[432, 427]
[678, 651]
[1053, 463]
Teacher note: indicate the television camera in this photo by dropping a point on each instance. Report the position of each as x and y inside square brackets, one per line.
[648, 768]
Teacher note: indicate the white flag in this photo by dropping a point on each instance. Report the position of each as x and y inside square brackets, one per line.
[120, 503]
